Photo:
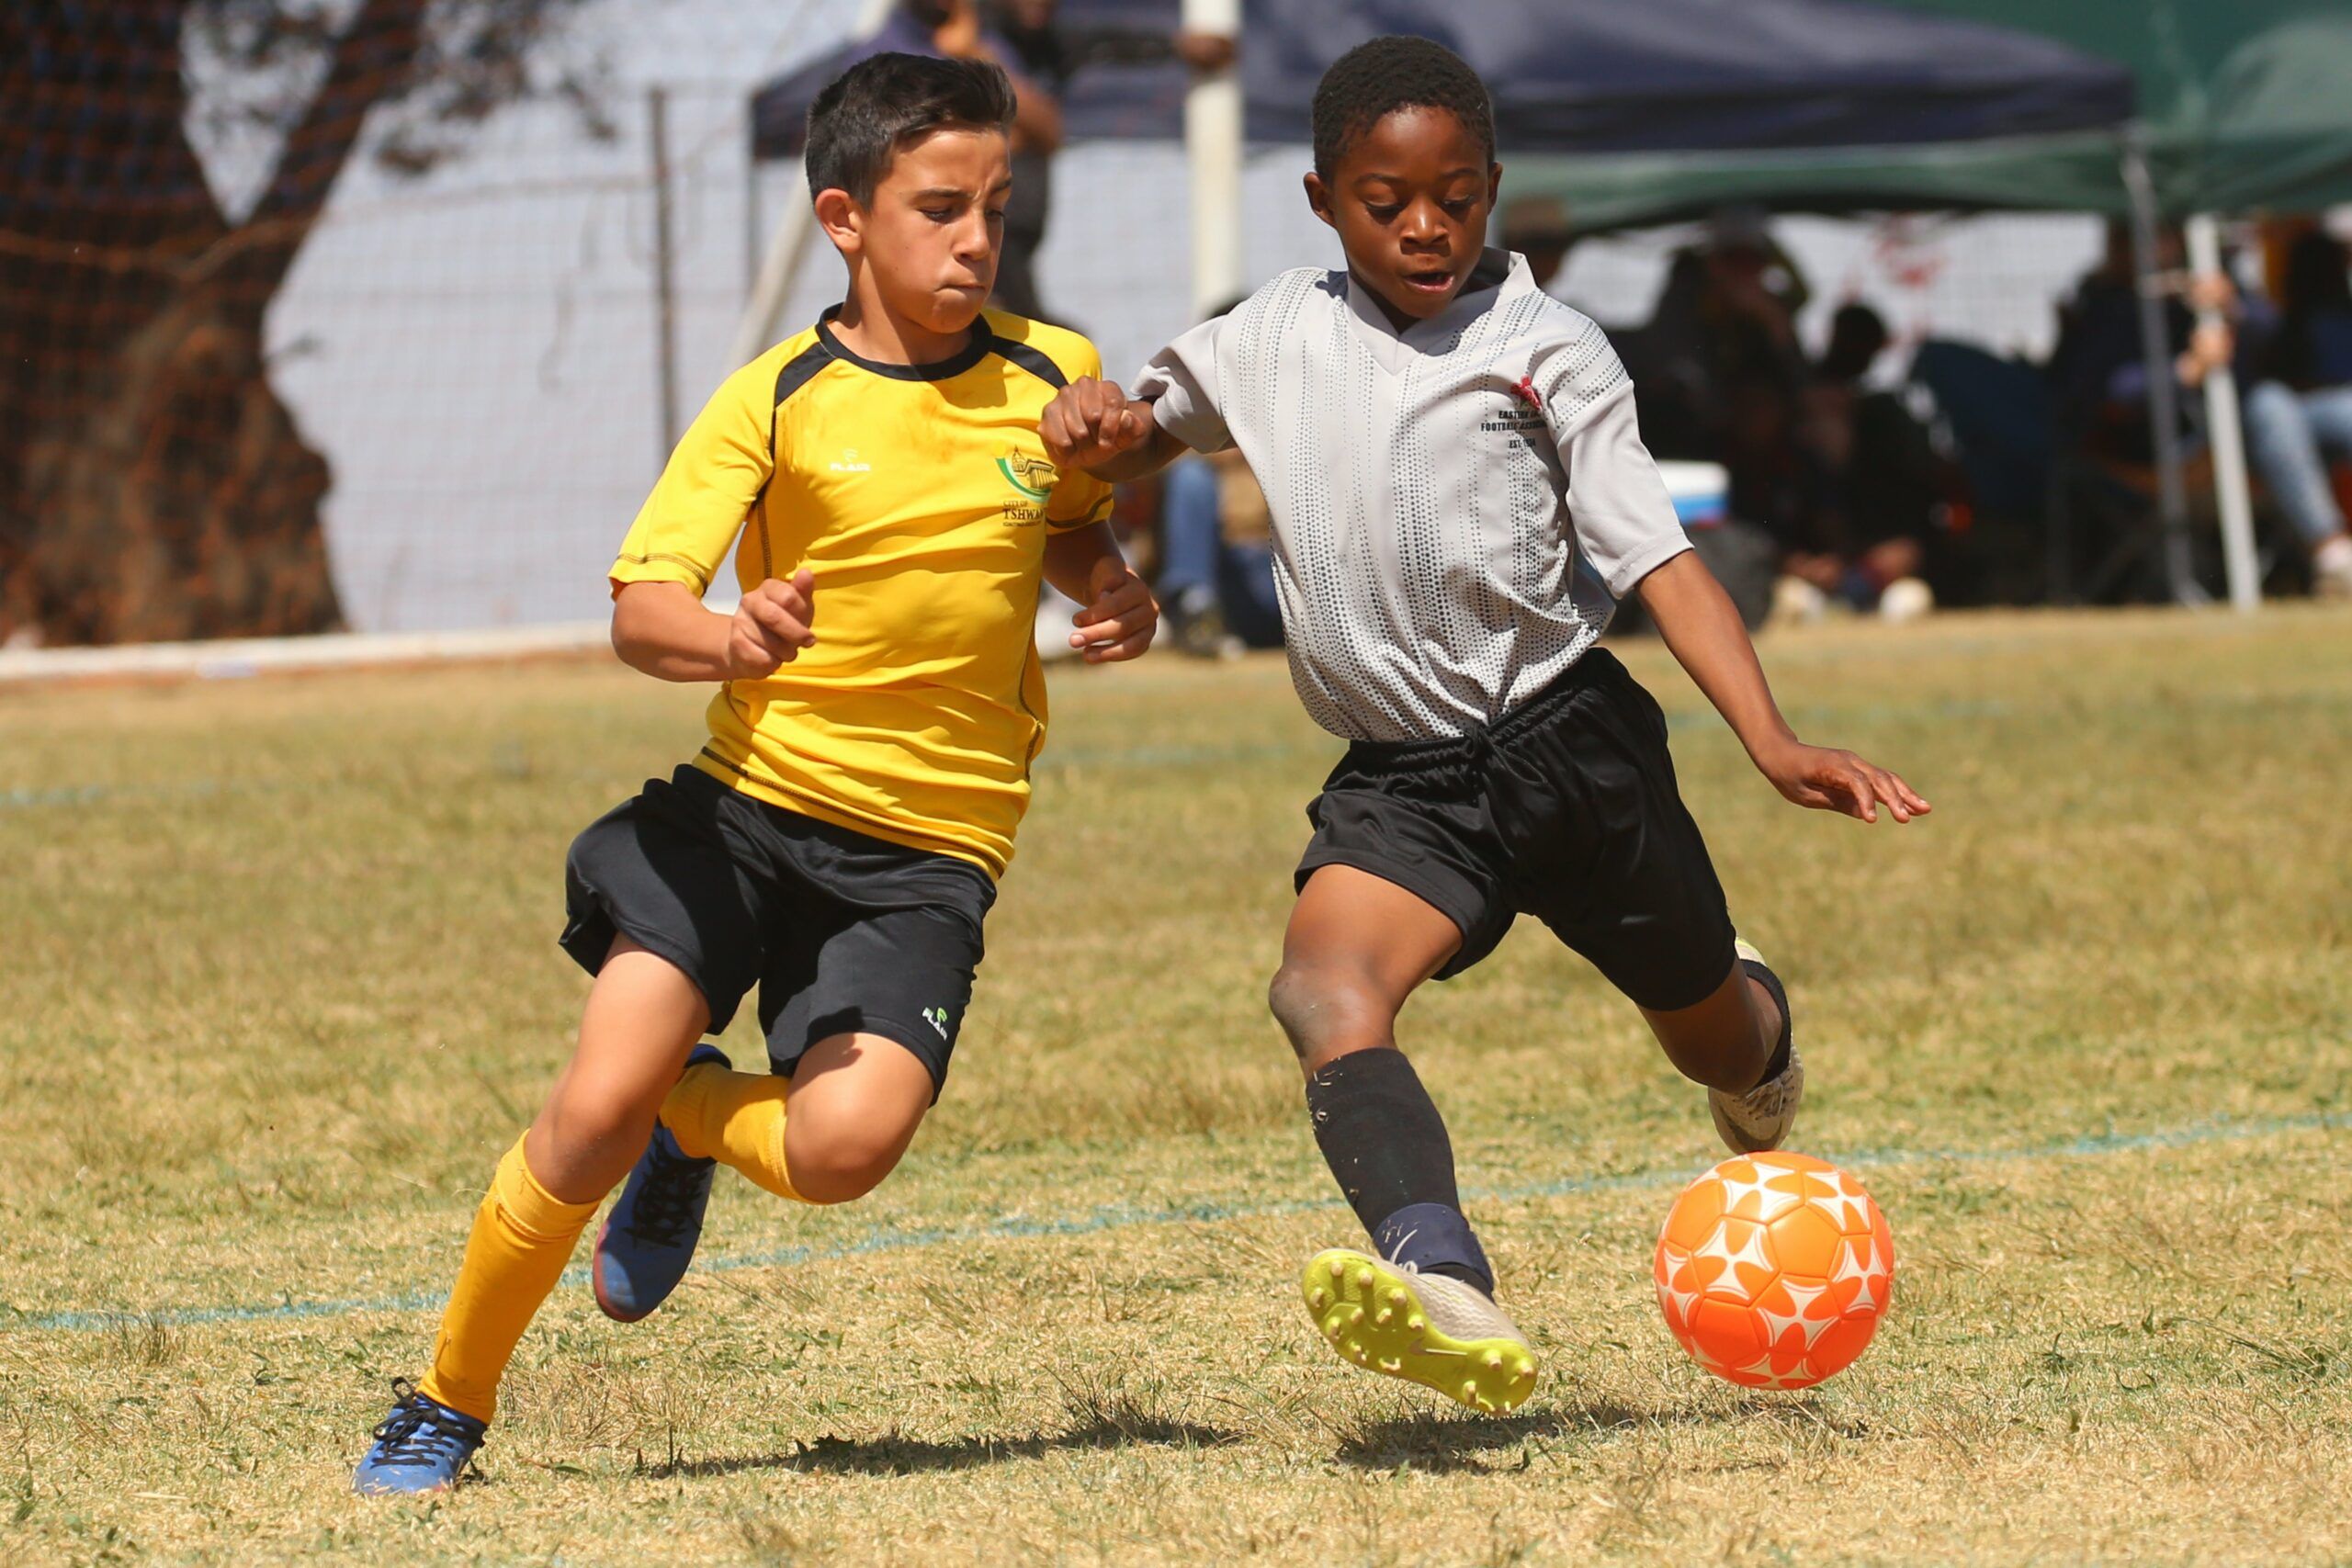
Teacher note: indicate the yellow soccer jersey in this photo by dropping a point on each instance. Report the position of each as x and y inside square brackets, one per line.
[920, 497]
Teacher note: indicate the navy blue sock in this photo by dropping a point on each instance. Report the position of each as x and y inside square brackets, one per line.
[1385, 1142]
[1779, 1061]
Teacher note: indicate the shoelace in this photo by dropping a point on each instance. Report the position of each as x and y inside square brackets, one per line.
[664, 1204]
[1767, 1098]
[417, 1432]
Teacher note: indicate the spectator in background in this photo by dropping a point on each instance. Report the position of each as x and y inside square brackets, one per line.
[1216, 561]
[1043, 54]
[2299, 409]
[2098, 376]
[1722, 337]
[1871, 490]
[956, 30]
[1039, 55]
[1215, 582]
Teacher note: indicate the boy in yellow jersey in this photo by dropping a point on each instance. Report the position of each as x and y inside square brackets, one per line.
[881, 481]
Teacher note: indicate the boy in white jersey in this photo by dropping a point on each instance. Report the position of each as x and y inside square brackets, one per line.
[1460, 497]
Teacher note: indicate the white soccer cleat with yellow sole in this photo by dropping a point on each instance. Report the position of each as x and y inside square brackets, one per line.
[1426, 1328]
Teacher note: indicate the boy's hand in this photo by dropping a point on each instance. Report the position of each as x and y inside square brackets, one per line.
[771, 626]
[1091, 423]
[1831, 780]
[1120, 614]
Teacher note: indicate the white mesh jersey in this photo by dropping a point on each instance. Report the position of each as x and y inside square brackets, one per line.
[1457, 508]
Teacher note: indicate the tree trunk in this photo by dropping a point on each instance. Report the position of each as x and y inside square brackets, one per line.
[153, 487]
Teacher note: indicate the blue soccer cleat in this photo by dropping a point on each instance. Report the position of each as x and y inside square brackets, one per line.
[648, 1238]
[421, 1446]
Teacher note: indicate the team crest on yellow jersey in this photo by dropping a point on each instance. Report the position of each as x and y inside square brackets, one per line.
[1032, 477]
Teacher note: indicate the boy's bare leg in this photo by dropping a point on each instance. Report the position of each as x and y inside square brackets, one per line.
[1421, 1307]
[642, 1017]
[853, 1105]
[827, 1134]
[1357, 946]
[1737, 1042]
[1726, 1041]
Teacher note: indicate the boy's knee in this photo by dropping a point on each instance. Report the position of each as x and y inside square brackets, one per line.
[841, 1166]
[1328, 1009]
[582, 1149]
[584, 1129]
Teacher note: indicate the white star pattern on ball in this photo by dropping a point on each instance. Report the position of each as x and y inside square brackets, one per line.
[1850, 1211]
[1750, 1251]
[1677, 1304]
[1850, 1266]
[1770, 1203]
[1766, 1377]
[1802, 1296]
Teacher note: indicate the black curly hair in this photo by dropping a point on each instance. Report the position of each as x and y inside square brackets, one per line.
[1377, 78]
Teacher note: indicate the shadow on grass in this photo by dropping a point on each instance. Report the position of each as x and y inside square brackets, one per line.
[894, 1454]
[1439, 1442]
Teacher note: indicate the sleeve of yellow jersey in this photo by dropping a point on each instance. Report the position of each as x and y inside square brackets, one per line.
[686, 526]
[1079, 498]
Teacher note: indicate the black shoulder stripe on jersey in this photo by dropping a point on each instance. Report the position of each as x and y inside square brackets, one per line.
[1032, 360]
[801, 370]
[798, 372]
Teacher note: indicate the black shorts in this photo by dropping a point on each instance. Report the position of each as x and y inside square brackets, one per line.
[841, 933]
[1564, 808]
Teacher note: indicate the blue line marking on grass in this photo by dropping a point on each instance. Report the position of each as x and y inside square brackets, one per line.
[98, 793]
[1122, 1216]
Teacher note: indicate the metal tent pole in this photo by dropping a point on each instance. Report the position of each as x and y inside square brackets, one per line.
[2228, 438]
[2155, 350]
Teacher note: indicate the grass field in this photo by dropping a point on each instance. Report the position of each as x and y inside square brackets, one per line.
[278, 981]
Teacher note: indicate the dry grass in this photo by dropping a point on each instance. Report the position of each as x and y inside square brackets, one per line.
[278, 981]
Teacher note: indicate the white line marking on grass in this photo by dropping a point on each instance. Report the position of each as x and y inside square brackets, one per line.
[1122, 1216]
[231, 658]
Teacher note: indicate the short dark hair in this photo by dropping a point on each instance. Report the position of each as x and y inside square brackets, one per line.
[1375, 79]
[884, 104]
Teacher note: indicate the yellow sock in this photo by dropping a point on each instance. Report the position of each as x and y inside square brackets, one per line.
[522, 1236]
[734, 1118]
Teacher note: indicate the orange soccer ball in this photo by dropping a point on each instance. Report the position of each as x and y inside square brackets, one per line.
[1774, 1268]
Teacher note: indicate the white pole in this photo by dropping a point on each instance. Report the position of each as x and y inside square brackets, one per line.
[1213, 142]
[780, 268]
[2227, 435]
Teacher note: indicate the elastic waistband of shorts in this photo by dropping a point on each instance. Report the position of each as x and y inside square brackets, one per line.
[1598, 666]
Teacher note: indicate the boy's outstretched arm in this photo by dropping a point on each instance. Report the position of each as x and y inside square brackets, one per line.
[662, 629]
[1696, 618]
[1093, 425]
[1117, 615]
